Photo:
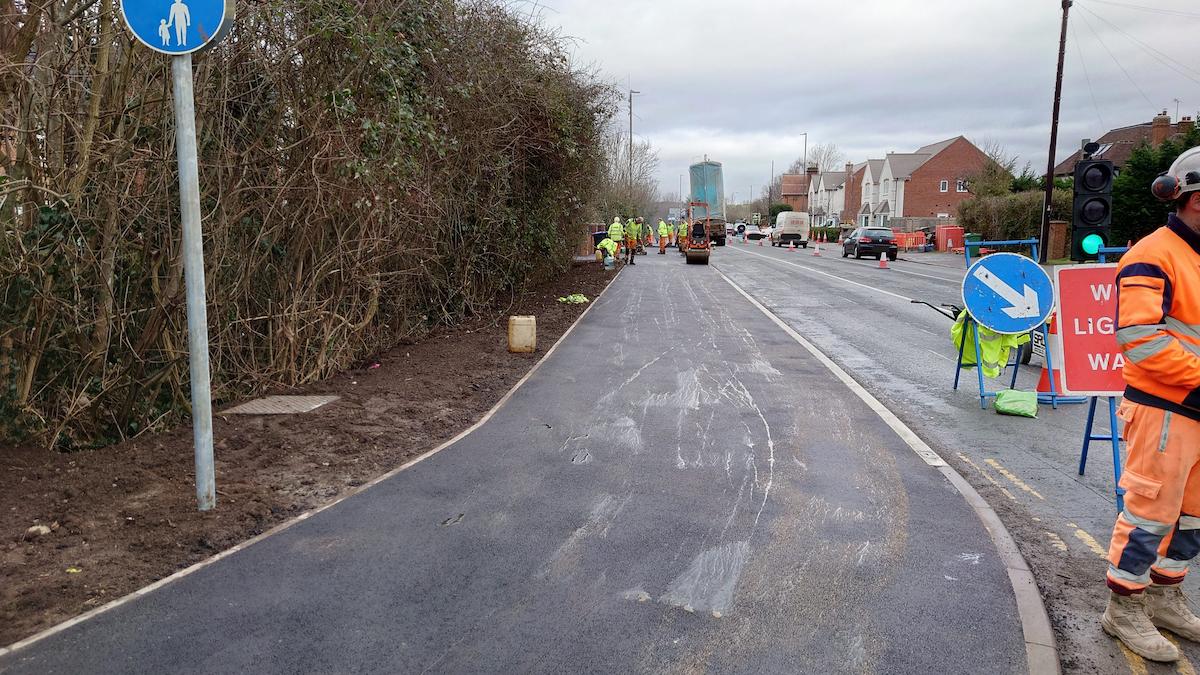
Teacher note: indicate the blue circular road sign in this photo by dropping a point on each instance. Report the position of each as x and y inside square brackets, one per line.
[178, 27]
[1008, 293]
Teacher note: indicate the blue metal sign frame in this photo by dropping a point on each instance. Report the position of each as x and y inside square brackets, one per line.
[1054, 398]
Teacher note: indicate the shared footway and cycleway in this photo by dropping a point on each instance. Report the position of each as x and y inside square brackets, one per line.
[686, 484]
[864, 319]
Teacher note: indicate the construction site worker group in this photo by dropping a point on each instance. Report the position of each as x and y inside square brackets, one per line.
[1157, 534]
[625, 239]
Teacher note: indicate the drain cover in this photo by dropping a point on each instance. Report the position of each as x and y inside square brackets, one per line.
[281, 405]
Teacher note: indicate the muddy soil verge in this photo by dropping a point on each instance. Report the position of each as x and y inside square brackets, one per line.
[124, 516]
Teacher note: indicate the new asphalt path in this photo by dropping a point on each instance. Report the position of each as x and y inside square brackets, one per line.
[679, 488]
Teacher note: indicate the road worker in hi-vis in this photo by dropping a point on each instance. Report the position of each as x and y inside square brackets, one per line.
[664, 236]
[681, 235]
[1158, 533]
[633, 235]
[616, 232]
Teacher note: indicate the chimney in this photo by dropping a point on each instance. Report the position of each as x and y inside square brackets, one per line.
[812, 170]
[1186, 125]
[1160, 129]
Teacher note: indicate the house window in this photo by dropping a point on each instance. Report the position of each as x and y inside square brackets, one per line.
[962, 185]
[883, 220]
[943, 215]
[945, 186]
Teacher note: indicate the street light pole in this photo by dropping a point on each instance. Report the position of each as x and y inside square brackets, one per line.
[1044, 240]
[805, 169]
[631, 93]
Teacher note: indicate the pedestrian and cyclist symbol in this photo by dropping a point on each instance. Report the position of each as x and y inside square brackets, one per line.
[1008, 293]
[177, 27]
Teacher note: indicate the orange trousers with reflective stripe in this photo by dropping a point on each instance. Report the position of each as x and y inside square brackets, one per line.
[1158, 533]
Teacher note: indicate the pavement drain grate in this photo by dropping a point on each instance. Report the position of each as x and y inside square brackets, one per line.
[281, 405]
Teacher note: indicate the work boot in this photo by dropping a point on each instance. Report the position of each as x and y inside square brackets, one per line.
[1168, 608]
[1125, 619]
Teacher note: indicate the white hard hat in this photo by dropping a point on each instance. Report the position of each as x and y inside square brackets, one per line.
[1183, 177]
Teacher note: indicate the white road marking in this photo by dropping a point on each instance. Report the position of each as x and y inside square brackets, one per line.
[940, 356]
[902, 430]
[956, 282]
[817, 271]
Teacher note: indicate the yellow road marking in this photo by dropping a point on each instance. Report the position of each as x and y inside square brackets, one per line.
[1057, 542]
[1089, 540]
[1183, 666]
[1136, 663]
[1016, 481]
[987, 475]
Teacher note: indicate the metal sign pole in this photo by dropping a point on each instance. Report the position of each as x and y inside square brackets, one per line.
[193, 266]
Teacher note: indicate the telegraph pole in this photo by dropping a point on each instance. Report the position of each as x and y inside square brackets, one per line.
[1044, 239]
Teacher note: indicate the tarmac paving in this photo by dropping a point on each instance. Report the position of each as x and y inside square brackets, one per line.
[678, 488]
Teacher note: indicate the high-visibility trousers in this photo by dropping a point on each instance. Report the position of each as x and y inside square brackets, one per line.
[672, 237]
[662, 244]
[631, 245]
[1158, 533]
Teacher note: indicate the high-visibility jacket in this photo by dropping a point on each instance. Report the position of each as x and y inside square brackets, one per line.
[634, 230]
[683, 227]
[608, 246]
[993, 347]
[616, 231]
[664, 230]
[1158, 319]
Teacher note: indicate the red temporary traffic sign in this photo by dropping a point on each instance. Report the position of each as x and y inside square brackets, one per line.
[1092, 362]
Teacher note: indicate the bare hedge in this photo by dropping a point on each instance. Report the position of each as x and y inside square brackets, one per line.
[1011, 216]
[370, 170]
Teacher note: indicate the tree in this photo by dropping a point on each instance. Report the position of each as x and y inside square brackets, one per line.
[619, 194]
[996, 176]
[777, 209]
[826, 157]
[1136, 212]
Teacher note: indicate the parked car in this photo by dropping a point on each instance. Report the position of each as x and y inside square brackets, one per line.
[791, 227]
[872, 242]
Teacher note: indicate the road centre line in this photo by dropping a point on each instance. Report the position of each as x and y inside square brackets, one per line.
[956, 282]
[1040, 650]
[817, 271]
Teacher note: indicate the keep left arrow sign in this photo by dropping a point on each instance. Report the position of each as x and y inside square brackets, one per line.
[1024, 306]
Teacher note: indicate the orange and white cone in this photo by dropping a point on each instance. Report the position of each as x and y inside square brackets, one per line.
[1044, 383]
[792, 247]
[883, 262]
[817, 250]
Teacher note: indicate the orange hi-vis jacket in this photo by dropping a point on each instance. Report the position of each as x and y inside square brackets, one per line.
[1158, 319]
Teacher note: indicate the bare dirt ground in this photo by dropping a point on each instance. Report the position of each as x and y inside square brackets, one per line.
[125, 516]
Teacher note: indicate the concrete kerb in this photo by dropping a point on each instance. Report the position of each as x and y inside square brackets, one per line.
[1041, 651]
[58, 628]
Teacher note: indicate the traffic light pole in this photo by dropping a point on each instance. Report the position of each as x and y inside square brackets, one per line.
[1044, 249]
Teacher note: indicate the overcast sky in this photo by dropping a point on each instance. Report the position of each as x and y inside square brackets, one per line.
[875, 76]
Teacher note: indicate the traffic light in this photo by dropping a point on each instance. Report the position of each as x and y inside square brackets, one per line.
[1091, 215]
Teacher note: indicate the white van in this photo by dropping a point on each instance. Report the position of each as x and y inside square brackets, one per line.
[790, 226]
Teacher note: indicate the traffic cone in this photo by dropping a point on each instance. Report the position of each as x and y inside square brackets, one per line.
[760, 241]
[1044, 383]
[817, 250]
[792, 247]
[883, 262]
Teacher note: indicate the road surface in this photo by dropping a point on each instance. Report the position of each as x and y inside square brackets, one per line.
[678, 488]
[1027, 469]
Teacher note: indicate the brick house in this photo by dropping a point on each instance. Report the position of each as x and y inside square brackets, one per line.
[928, 183]
[868, 198]
[1118, 145]
[853, 188]
[795, 188]
[826, 198]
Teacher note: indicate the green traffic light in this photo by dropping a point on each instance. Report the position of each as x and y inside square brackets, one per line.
[1092, 244]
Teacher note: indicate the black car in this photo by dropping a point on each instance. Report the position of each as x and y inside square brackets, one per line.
[872, 242]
